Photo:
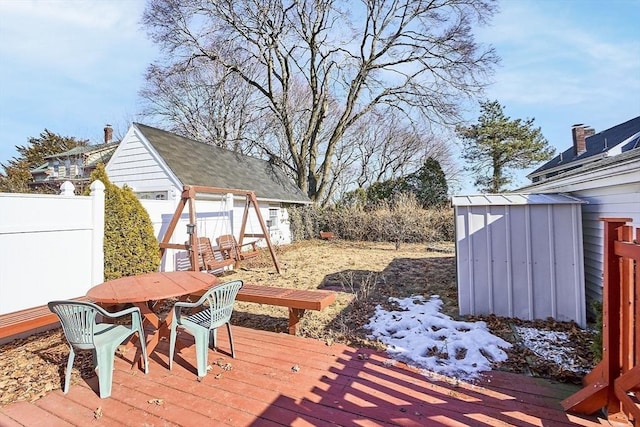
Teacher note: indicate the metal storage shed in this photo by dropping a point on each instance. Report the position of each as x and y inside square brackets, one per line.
[520, 255]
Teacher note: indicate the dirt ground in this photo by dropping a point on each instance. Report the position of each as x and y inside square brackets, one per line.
[363, 274]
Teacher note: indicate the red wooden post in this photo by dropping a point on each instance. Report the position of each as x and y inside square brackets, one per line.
[599, 391]
[611, 312]
[637, 303]
[625, 234]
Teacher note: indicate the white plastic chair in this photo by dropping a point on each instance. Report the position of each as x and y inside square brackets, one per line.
[83, 332]
[204, 324]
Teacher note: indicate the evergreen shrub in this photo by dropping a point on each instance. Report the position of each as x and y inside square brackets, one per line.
[130, 245]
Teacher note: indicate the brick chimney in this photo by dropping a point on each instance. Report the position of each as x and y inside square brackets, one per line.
[588, 131]
[579, 136]
[108, 134]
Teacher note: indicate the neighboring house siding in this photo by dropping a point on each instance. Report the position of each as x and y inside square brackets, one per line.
[135, 165]
[611, 189]
[621, 201]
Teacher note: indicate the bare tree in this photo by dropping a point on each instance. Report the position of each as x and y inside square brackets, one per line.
[205, 102]
[418, 57]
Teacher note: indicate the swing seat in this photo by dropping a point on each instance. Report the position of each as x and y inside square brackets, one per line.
[228, 245]
[210, 259]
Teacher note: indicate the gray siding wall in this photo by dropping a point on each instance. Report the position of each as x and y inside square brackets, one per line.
[619, 201]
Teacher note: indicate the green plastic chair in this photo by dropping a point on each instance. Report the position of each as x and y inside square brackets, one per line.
[203, 325]
[83, 332]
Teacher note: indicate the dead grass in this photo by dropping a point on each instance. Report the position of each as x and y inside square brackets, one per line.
[363, 274]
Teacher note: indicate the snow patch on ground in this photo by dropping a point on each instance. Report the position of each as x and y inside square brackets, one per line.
[551, 345]
[419, 335]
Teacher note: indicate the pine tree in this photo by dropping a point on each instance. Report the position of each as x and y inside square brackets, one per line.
[497, 144]
[428, 184]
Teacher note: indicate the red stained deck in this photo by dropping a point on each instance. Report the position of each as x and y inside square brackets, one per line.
[332, 385]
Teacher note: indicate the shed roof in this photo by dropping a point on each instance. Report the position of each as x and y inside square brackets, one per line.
[197, 163]
[510, 199]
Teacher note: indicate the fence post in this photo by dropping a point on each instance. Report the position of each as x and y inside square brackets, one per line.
[599, 390]
[67, 189]
[97, 261]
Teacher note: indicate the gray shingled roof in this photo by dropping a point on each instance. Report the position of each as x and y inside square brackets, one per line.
[597, 144]
[85, 149]
[197, 163]
[602, 163]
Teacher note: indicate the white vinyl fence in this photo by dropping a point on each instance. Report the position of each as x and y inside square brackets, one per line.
[51, 246]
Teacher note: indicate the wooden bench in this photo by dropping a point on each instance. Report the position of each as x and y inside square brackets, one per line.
[227, 243]
[14, 325]
[208, 259]
[297, 300]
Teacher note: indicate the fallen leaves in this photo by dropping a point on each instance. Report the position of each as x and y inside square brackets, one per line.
[31, 367]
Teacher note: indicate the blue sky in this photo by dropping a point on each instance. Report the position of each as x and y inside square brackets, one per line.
[72, 66]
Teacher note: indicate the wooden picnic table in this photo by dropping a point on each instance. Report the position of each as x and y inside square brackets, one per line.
[148, 289]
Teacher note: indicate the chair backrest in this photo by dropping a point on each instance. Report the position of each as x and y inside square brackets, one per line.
[78, 320]
[227, 242]
[206, 252]
[221, 299]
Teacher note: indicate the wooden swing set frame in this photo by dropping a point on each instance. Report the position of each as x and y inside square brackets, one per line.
[189, 194]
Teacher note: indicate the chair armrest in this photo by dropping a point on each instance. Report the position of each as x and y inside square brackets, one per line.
[253, 245]
[120, 313]
[136, 315]
[178, 306]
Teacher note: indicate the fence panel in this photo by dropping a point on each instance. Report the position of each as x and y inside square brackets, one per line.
[51, 246]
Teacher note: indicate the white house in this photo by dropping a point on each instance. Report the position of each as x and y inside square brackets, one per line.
[602, 169]
[157, 164]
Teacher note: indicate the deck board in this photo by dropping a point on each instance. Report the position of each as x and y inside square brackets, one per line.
[332, 384]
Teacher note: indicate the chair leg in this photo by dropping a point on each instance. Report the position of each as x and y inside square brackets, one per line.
[143, 347]
[172, 345]
[233, 353]
[67, 374]
[202, 351]
[105, 371]
[213, 339]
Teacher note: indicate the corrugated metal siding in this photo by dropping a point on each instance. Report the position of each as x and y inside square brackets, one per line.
[519, 259]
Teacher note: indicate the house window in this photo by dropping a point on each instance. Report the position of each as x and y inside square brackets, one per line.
[274, 218]
[67, 168]
[152, 195]
[56, 168]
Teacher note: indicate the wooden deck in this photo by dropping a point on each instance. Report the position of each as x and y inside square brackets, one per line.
[279, 379]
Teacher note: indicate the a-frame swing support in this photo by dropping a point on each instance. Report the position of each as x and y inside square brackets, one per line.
[189, 193]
